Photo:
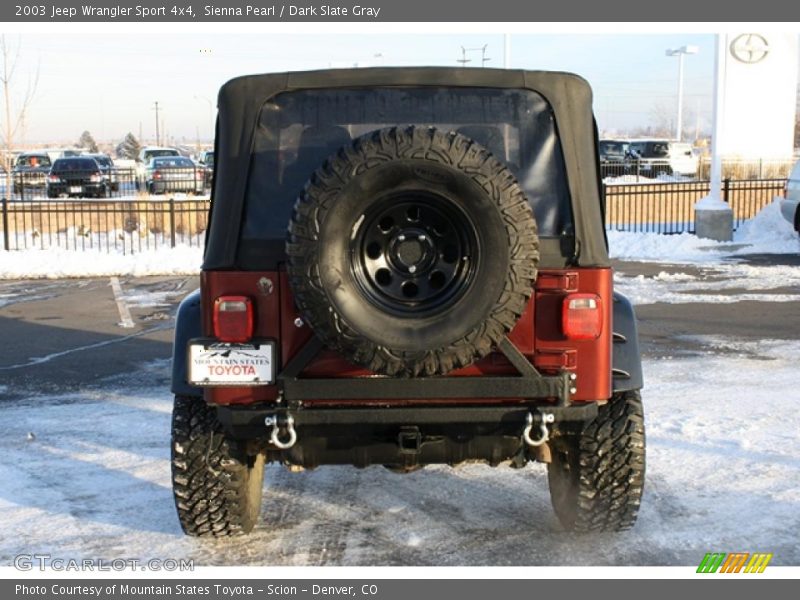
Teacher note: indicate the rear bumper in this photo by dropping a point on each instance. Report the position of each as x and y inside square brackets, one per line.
[248, 421]
[476, 406]
[403, 438]
[164, 187]
[56, 189]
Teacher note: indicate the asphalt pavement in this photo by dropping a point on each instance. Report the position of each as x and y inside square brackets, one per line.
[64, 335]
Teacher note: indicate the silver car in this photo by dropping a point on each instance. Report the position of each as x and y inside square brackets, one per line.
[790, 205]
[170, 174]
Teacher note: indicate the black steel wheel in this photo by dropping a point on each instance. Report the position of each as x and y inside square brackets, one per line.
[414, 254]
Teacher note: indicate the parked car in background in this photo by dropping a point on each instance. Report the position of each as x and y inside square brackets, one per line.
[78, 176]
[169, 174]
[656, 157]
[106, 164]
[206, 160]
[790, 205]
[614, 158]
[30, 171]
[613, 151]
[147, 154]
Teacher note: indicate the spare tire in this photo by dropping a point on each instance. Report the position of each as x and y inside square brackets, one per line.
[412, 251]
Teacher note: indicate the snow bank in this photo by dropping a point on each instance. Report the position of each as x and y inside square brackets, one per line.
[58, 264]
[634, 179]
[768, 232]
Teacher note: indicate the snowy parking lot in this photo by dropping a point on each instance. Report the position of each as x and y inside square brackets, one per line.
[85, 412]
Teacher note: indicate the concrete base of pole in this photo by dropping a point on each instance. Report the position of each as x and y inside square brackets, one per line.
[715, 224]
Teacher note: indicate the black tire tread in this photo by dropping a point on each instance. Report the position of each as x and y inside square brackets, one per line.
[318, 199]
[609, 455]
[217, 487]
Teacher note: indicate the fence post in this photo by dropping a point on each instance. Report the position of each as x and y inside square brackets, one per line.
[6, 240]
[172, 221]
[726, 190]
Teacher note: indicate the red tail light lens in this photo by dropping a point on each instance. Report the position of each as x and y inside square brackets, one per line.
[233, 319]
[156, 175]
[582, 317]
[54, 179]
[96, 178]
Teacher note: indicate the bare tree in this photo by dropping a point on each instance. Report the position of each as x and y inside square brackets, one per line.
[15, 108]
[797, 130]
[662, 121]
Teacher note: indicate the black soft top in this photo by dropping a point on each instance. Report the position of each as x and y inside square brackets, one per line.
[241, 100]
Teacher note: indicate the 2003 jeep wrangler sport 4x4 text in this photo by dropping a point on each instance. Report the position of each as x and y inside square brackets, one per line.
[403, 267]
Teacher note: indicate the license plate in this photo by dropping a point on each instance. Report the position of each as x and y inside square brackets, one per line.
[231, 364]
[75, 189]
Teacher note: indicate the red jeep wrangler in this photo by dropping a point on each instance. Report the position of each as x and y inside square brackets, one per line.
[406, 266]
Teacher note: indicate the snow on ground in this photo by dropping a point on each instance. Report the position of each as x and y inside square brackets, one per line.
[634, 179]
[722, 474]
[766, 283]
[59, 264]
[144, 298]
[768, 232]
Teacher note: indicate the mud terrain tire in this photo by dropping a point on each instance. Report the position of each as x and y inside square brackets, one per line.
[412, 251]
[217, 486]
[597, 475]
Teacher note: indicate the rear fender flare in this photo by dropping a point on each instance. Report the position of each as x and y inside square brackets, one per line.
[626, 361]
[188, 325]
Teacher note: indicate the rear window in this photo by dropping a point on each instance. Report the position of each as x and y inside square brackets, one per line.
[75, 164]
[176, 163]
[151, 154]
[103, 161]
[613, 147]
[37, 160]
[298, 130]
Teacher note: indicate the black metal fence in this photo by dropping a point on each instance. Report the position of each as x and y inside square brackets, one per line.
[119, 226]
[122, 183]
[669, 207]
[131, 225]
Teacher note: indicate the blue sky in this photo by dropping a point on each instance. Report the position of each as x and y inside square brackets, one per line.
[107, 84]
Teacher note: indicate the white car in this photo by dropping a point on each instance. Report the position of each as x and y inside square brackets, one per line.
[790, 205]
[147, 154]
[664, 156]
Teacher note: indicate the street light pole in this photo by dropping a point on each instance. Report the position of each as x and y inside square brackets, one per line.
[680, 53]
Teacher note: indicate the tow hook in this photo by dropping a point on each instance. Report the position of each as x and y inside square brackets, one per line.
[274, 438]
[544, 434]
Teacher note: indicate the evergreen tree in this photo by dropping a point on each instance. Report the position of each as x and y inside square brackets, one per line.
[129, 147]
[86, 142]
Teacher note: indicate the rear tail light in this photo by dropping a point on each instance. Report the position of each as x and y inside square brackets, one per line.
[233, 319]
[156, 174]
[582, 317]
[54, 179]
[96, 178]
